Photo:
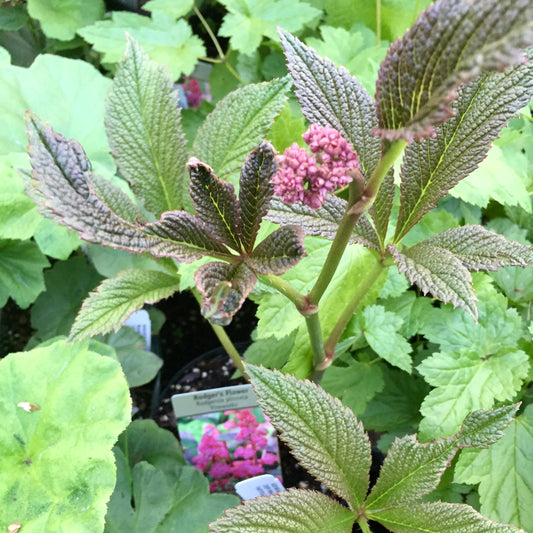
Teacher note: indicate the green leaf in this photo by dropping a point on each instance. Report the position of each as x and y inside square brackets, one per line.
[381, 332]
[249, 20]
[19, 218]
[224, 287]
[165, 40]
[465, 381]
[485, 183]
[288, 128]
[480, 249]
[280, 251]
[5, 58]
[238, 124]
[67, 284]
[144, 131]
[255, 191]
[67, 88]
[449, 44]
[21, 272]
[169, 7]
[215, 203]
[56, 462]
[439, 517]
[435, 165]
[60, 184]
[322, 222]
[397, 405]
[353, 48]
[270, 352]
[285, 512]
[115, 299]
[155, 491]
[355, 383]
[329, 96]
[56, 241]
[324, 436]
[439, 272]
[13, 18]
[411, 470]
[506, 488]
[61, 20]
[139, 366]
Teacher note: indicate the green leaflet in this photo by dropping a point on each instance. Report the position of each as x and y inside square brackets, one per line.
[143, 126]
[165, 40]
[249, 20]
[411, 470]
[465, 381]
[287, 512]
[433, 166]
[12, 18]
[325, 437]
[329, 96]
[238, 123]
[172, 9]
[451, 42]
[440, 517]
[503, 472]
[21, 272]
[115, 299]
[57, 469]
[439, 272]
[61, 21]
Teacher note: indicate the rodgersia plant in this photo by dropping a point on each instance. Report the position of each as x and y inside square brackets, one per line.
[444, 92]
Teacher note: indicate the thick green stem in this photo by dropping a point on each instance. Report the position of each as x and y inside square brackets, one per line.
[363, 524]
[315, 336]
[283, 286]
[222, 336]
[361, 291]
[352, 215]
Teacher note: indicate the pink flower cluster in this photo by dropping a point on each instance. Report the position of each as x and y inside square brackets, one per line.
[307, 178]
[248, 459]
[193, 92]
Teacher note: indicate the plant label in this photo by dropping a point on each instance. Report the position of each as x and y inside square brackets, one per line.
[263, 485]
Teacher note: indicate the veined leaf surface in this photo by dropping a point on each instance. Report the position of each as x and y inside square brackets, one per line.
[144, 131]
[452, 42]
[239, 123]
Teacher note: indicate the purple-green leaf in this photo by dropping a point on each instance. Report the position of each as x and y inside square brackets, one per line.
[61, 185]
[434, 165]
[224, 287]
[281, 250]
[452, 42]
[330, 96]
[480, 249]
[215, 203]
[439, 272]
[255, 191]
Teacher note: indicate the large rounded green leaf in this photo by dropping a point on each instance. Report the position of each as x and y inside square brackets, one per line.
[62, 408]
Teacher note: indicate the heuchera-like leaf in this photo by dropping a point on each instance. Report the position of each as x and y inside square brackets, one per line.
[287, 512]
[281, 250]
[321, 222]
[215, 203]
[452, 42]
[224, 288]
[480, 249]
[60, 185]
[115, 299]
[239, 123]
[440, 517]
[144, 131]
[330, 96]
[325, 437]
[434, 165]
[438, 272]
[411, 470]
[255, 191]
[381, 209]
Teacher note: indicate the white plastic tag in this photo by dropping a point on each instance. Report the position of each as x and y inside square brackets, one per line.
[213, 400]
[141, 323]
[258, 486]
